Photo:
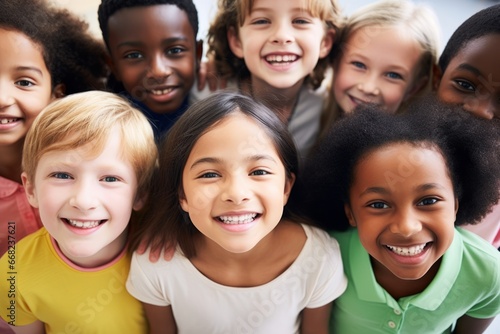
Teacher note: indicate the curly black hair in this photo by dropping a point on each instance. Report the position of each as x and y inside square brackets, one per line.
[484, 22]
[469, 145]
[108, 7]
[72, 55]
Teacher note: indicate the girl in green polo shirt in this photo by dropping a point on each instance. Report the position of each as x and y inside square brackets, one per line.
[395, 188]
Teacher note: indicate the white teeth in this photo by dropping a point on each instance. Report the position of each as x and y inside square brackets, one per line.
[84, 224]
[407, 251]
[243, 219]
[8, 120]
[281, 58]
[161, 91]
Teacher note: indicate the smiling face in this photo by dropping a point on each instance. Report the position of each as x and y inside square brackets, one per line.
[280, 42]
[25, 85]
[235, 185]
[403, 205]
[472, 78]
[154, 54]
[377, 65]
[85, 202]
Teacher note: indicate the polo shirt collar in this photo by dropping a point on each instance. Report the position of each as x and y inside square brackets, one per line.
[8, 187]
[369, 290]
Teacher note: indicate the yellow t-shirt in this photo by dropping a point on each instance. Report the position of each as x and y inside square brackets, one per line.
[39, 283]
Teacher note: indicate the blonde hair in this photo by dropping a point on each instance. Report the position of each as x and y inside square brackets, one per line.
[87, 118]
[420, 22]
[232, 13]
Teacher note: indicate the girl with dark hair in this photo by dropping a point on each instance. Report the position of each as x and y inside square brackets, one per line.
[226, 170]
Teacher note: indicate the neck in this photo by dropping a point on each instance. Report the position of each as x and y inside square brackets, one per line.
[281, 100]
[10, 161]
[399, 288]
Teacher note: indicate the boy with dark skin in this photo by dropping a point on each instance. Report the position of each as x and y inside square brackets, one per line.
[154, 55]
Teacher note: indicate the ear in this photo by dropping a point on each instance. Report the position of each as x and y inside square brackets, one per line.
[112, 67]
[29, 188]
[199, 52]
[437, 75]
[456, 206]
[289, 182]
[234, 42]
[139, 202]
[350, 216]
[59, 91]
[327, 43]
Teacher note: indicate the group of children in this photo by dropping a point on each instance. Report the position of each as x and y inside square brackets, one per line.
[106, 175]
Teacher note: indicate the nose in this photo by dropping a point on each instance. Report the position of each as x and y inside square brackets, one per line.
[405, 224]
[159, 68]
[369, 85]
[282, 33]
[6, 98]
[236, 190]
[484, 108]
[84, 197]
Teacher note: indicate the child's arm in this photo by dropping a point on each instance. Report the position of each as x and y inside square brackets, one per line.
[469, 325]
[33, 328]
[315, 320]
[161, 319]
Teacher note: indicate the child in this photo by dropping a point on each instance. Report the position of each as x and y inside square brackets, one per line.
[403, 183]
[87, 162]
[244, 264]
[471, 76]
[275, 51]
[385, 55]
[154, 55]
[45, 53]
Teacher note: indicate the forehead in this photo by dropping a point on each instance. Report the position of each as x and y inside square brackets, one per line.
[148, 22]
[385, 47]
[482, 53]
[401, 163]
[235, 133]
[19, 48]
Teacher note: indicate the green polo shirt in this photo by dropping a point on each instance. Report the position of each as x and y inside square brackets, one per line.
[468, 282]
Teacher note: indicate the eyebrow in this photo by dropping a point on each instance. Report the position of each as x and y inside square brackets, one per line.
[470, 68]
[30, 68]
[385, 191]
[255, 157]
[164, 41]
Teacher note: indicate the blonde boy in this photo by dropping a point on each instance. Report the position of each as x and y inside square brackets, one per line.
[87, 161]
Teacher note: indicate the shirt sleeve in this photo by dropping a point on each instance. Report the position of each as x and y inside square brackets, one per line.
[144, 281]
[330, 281]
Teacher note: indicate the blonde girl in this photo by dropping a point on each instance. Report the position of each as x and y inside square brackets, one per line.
[386, 54]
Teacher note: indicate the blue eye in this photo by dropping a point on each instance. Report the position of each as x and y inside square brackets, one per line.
[378, 205]
[61, 175]
[394, 75]
[110, 179]
[358, 64]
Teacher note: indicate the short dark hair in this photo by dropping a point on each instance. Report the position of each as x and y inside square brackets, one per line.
[72, 55]
[484, 22]
[470, 147]
[108, 7]
[164, 223]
